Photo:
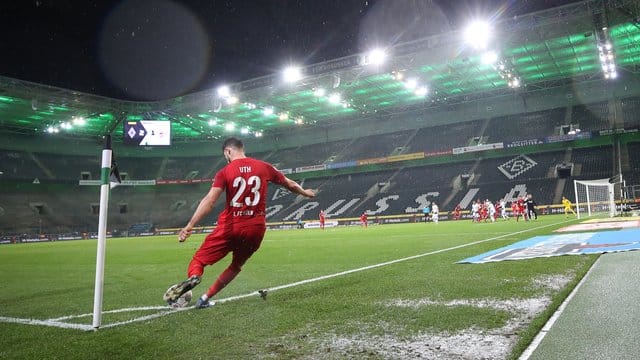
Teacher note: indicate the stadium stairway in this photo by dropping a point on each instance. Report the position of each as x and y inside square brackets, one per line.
[600, 320]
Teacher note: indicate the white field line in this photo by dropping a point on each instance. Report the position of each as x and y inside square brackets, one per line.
[58, 321]
[142, 308]
[58, 324]
[552, 320]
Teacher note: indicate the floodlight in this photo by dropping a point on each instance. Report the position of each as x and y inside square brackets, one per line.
[478, 34]
[66, 125]
[224, 91]
[283, 116]
[335, 98]
[421, 91]
[411, 83]
[258, 134]
[299, 121]
[80, 121]
[398, 75]
[229, 126]
[50, 129]
[292, 74]
[244, 131]
[319, 92]
[268, 111]
[231, 100]
[489, 58]
[213, 122]
[250, 106]
[375, 57]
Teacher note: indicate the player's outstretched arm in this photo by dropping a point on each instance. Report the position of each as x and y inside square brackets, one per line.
[296, 188]
[204, 208]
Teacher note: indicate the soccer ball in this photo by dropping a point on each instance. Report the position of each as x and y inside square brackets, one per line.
[183, 300]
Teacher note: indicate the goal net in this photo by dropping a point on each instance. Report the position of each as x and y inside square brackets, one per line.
[595, 197]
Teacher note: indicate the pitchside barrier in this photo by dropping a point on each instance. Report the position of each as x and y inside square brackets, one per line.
[283, 225]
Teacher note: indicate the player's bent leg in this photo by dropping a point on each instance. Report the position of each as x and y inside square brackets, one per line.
[213, 248]
[223, 280]
[177, 290]
[243, 246]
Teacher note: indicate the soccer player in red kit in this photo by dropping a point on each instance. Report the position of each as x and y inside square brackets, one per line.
[322, 217]
[456, 212]
[515, 209]
[241, 225]
[363, 219]
[521, 205]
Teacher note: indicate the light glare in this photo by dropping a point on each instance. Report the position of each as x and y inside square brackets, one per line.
[335, 98]
[478, 34]
[376, 57]
[292, 74]
[224, 91]
[80, 121]
[489, 58]
[268, 111]
[319, 92]
[422, 91]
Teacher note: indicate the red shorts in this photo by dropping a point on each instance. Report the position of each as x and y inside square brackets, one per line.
[240, 239]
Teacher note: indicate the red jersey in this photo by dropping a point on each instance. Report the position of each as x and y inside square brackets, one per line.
[363, 217]
[245, 184]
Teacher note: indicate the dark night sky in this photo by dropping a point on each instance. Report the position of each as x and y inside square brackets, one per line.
[157, 49]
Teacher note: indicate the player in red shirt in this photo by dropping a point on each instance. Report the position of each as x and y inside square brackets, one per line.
[363, 219]
[241, 225]
[521, 208]
[515, 209]
[322, 217]
[456, 212]
[483, 212]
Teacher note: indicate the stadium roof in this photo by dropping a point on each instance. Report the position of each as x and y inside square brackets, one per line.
[542, 50]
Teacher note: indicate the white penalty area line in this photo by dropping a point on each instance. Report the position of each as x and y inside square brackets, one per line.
[165, 310]
[552, 320]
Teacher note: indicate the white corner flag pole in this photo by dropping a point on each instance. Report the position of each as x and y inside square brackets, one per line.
[102, 233]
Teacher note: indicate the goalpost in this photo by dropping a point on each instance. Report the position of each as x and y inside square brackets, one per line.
[595, 197]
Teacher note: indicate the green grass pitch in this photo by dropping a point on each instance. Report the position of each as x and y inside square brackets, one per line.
[51, 280]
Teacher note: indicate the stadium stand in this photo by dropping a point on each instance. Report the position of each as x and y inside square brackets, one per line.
[538, 167]
[445, 136]
[631, 112]
[375, 145]
[314, 154]
[524, 126]
[140, 228]
[139, 168]
[594, 162]
[591, 117]
[69, 167]
[19, 165]
[632, 177]
[190, 168]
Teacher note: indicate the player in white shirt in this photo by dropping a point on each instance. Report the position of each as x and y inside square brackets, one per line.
[434, 212]
[503, 210]
[475, 208]
[492, 210]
